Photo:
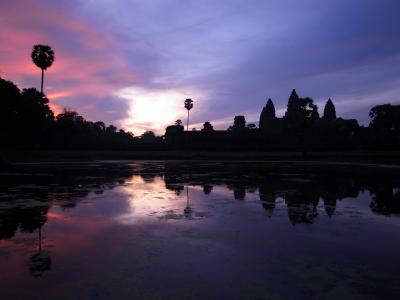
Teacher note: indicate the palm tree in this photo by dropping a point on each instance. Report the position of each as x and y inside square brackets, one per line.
[188, 106]
[43, 58]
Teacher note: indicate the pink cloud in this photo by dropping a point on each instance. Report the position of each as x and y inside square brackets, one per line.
[88, 64]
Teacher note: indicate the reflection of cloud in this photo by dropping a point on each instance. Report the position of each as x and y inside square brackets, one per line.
[147, 199]
[152, 200]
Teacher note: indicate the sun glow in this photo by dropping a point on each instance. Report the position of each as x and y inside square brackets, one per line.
[152, 110]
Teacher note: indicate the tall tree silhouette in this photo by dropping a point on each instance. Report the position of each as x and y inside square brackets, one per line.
[10, 97]
[35, 118]
[43, 58]
[385, 116]
[314, 116]
[188, 106]
[207, 127]
[239, 122]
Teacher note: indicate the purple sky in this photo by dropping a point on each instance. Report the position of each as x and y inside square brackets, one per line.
[133, 63]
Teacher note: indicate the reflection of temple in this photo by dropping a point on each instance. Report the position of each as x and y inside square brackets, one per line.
[300, 126]
[239, 191]
[329, 205]
[267, 199]
[302, 207]
[268, 204]
[302, 188]
[301, 197]
[326, 183]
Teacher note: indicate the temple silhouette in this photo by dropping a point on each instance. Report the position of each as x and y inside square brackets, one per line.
[28, 123]
[301, 128]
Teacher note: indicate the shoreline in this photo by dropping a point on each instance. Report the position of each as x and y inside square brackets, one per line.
[383, 157]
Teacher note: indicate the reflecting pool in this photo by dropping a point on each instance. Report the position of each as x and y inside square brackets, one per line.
[200, 230]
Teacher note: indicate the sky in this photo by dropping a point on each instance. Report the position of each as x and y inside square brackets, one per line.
[132, 63]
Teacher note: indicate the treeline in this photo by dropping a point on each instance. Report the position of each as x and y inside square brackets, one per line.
[27, 122]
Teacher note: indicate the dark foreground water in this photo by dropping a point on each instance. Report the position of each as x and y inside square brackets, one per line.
[200, 230]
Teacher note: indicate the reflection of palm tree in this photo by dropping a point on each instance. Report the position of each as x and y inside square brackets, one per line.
[40, 239]
[188, 106]
[43, 58]
[188, 210]
[41, 260]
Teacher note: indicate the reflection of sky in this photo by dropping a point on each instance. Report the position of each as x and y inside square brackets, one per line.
[150, 201]
[135, 239]
[119, 61]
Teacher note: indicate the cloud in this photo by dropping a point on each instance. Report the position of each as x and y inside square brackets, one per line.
[87, 69]
[116, 61]
[153, 108]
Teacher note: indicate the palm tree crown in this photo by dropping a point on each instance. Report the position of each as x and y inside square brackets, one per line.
[188, 104]
[42, 56]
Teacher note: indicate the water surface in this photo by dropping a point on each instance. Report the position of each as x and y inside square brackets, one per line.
[195, 230]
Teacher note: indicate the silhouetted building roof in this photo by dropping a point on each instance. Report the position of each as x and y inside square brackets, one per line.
[267, 114]
[300, 127]
[329, 111]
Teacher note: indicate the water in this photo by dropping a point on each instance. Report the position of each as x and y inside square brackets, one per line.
[200, 230]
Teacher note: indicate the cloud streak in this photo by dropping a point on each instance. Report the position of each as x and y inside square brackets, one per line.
[134, 62]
